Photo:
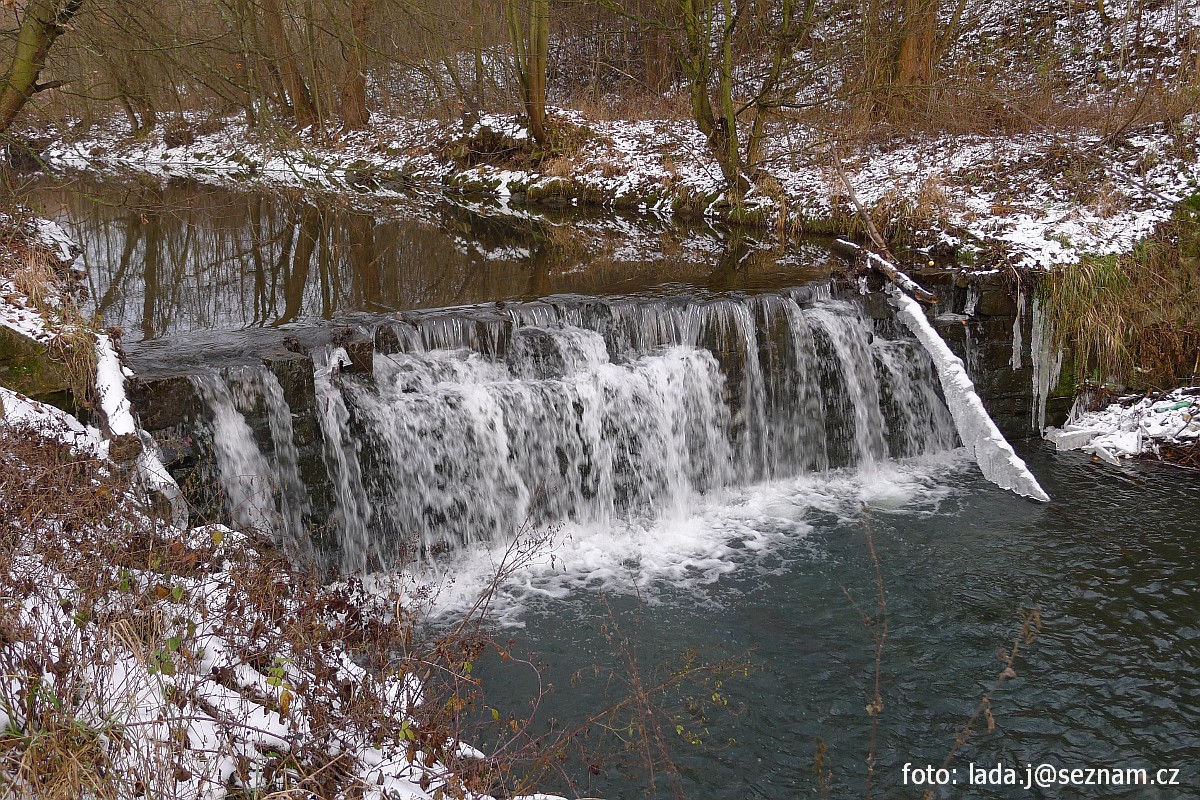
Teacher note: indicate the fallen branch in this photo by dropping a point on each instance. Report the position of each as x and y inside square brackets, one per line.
[872, 231]
[882, 263]
[890, 271]
[997, 460]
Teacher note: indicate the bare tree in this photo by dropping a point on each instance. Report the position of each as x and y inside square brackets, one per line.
[531, 55]
[711, 41]
[353, 95]
[43, 22]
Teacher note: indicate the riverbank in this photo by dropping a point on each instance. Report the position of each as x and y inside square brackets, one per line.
[1163, 426]
[145, 656]
[1028, 201]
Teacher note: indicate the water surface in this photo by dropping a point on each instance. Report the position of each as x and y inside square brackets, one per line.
[1113, 678]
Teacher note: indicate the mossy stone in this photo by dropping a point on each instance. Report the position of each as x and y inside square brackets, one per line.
[26, 366]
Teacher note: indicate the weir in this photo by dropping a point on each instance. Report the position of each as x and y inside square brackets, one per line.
[456, 427]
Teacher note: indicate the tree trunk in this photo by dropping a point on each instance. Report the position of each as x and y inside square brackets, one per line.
[538, 63]
[656, 61]
[44, 22]
[281, 53]
[917, 54]
[473, 105]
[355, 114]
[719, 131]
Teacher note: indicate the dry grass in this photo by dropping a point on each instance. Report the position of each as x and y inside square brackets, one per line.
[41, 281]
[127, 604]
[1131, 319]
[124, 588]
[558, 167]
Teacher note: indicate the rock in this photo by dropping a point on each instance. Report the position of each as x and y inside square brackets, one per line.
[995, 301]
[294, 371]
[164, 403]
[362, 356]
[26, 366]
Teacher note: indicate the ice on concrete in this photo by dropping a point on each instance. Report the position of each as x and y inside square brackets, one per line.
[1071, 437]
[110, 387]
[1046, 360]
[997, 460]
[1018, 344]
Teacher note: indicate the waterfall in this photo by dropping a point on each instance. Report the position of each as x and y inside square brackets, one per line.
[261, 492]
[848, 337]
[245, 474]
[586, 411]
[352, 513]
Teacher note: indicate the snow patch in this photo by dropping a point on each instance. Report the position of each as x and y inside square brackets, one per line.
[1143, 427]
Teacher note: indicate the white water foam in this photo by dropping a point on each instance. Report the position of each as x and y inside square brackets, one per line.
[731, 530]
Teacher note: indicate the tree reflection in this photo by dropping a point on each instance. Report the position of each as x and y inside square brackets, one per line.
[188, 257]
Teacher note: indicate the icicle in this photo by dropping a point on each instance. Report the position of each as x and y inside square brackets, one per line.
[997, 460]
[972, 300]
[1018, 345]
[1047, 362]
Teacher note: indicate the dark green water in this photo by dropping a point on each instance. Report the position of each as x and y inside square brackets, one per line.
[1113, 679]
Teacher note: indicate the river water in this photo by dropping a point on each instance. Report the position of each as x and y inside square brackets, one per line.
[705, 432]
[1111, 679]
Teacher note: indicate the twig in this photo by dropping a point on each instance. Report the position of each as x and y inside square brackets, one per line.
[1031, 624]
[880, 629]
[891, 272]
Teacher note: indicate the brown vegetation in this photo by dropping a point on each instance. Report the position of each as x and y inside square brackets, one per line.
[735, 68]
[99, 600]
[1131, 319]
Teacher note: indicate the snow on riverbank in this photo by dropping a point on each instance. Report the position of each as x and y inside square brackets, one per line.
[1143, 427]
[19, 311]
[187, 662]
[1039, 199]
[140, 656]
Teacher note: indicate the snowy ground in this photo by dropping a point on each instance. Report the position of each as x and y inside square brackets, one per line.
[1030, 200]
[184, 662]
[1144, 426]
[18, 311]
[181, 652]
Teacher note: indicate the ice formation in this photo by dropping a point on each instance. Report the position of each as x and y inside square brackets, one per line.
[997, 460]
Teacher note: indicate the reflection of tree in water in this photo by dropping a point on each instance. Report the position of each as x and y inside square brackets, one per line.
[184, 258]
[166, 261]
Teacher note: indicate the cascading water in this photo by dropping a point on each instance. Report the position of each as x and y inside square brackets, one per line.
[589, 412]
[260, 494]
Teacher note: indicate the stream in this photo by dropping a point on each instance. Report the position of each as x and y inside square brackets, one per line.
[704, 423]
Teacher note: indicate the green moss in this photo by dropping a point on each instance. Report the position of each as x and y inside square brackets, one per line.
[26, 366]
[738, 214]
